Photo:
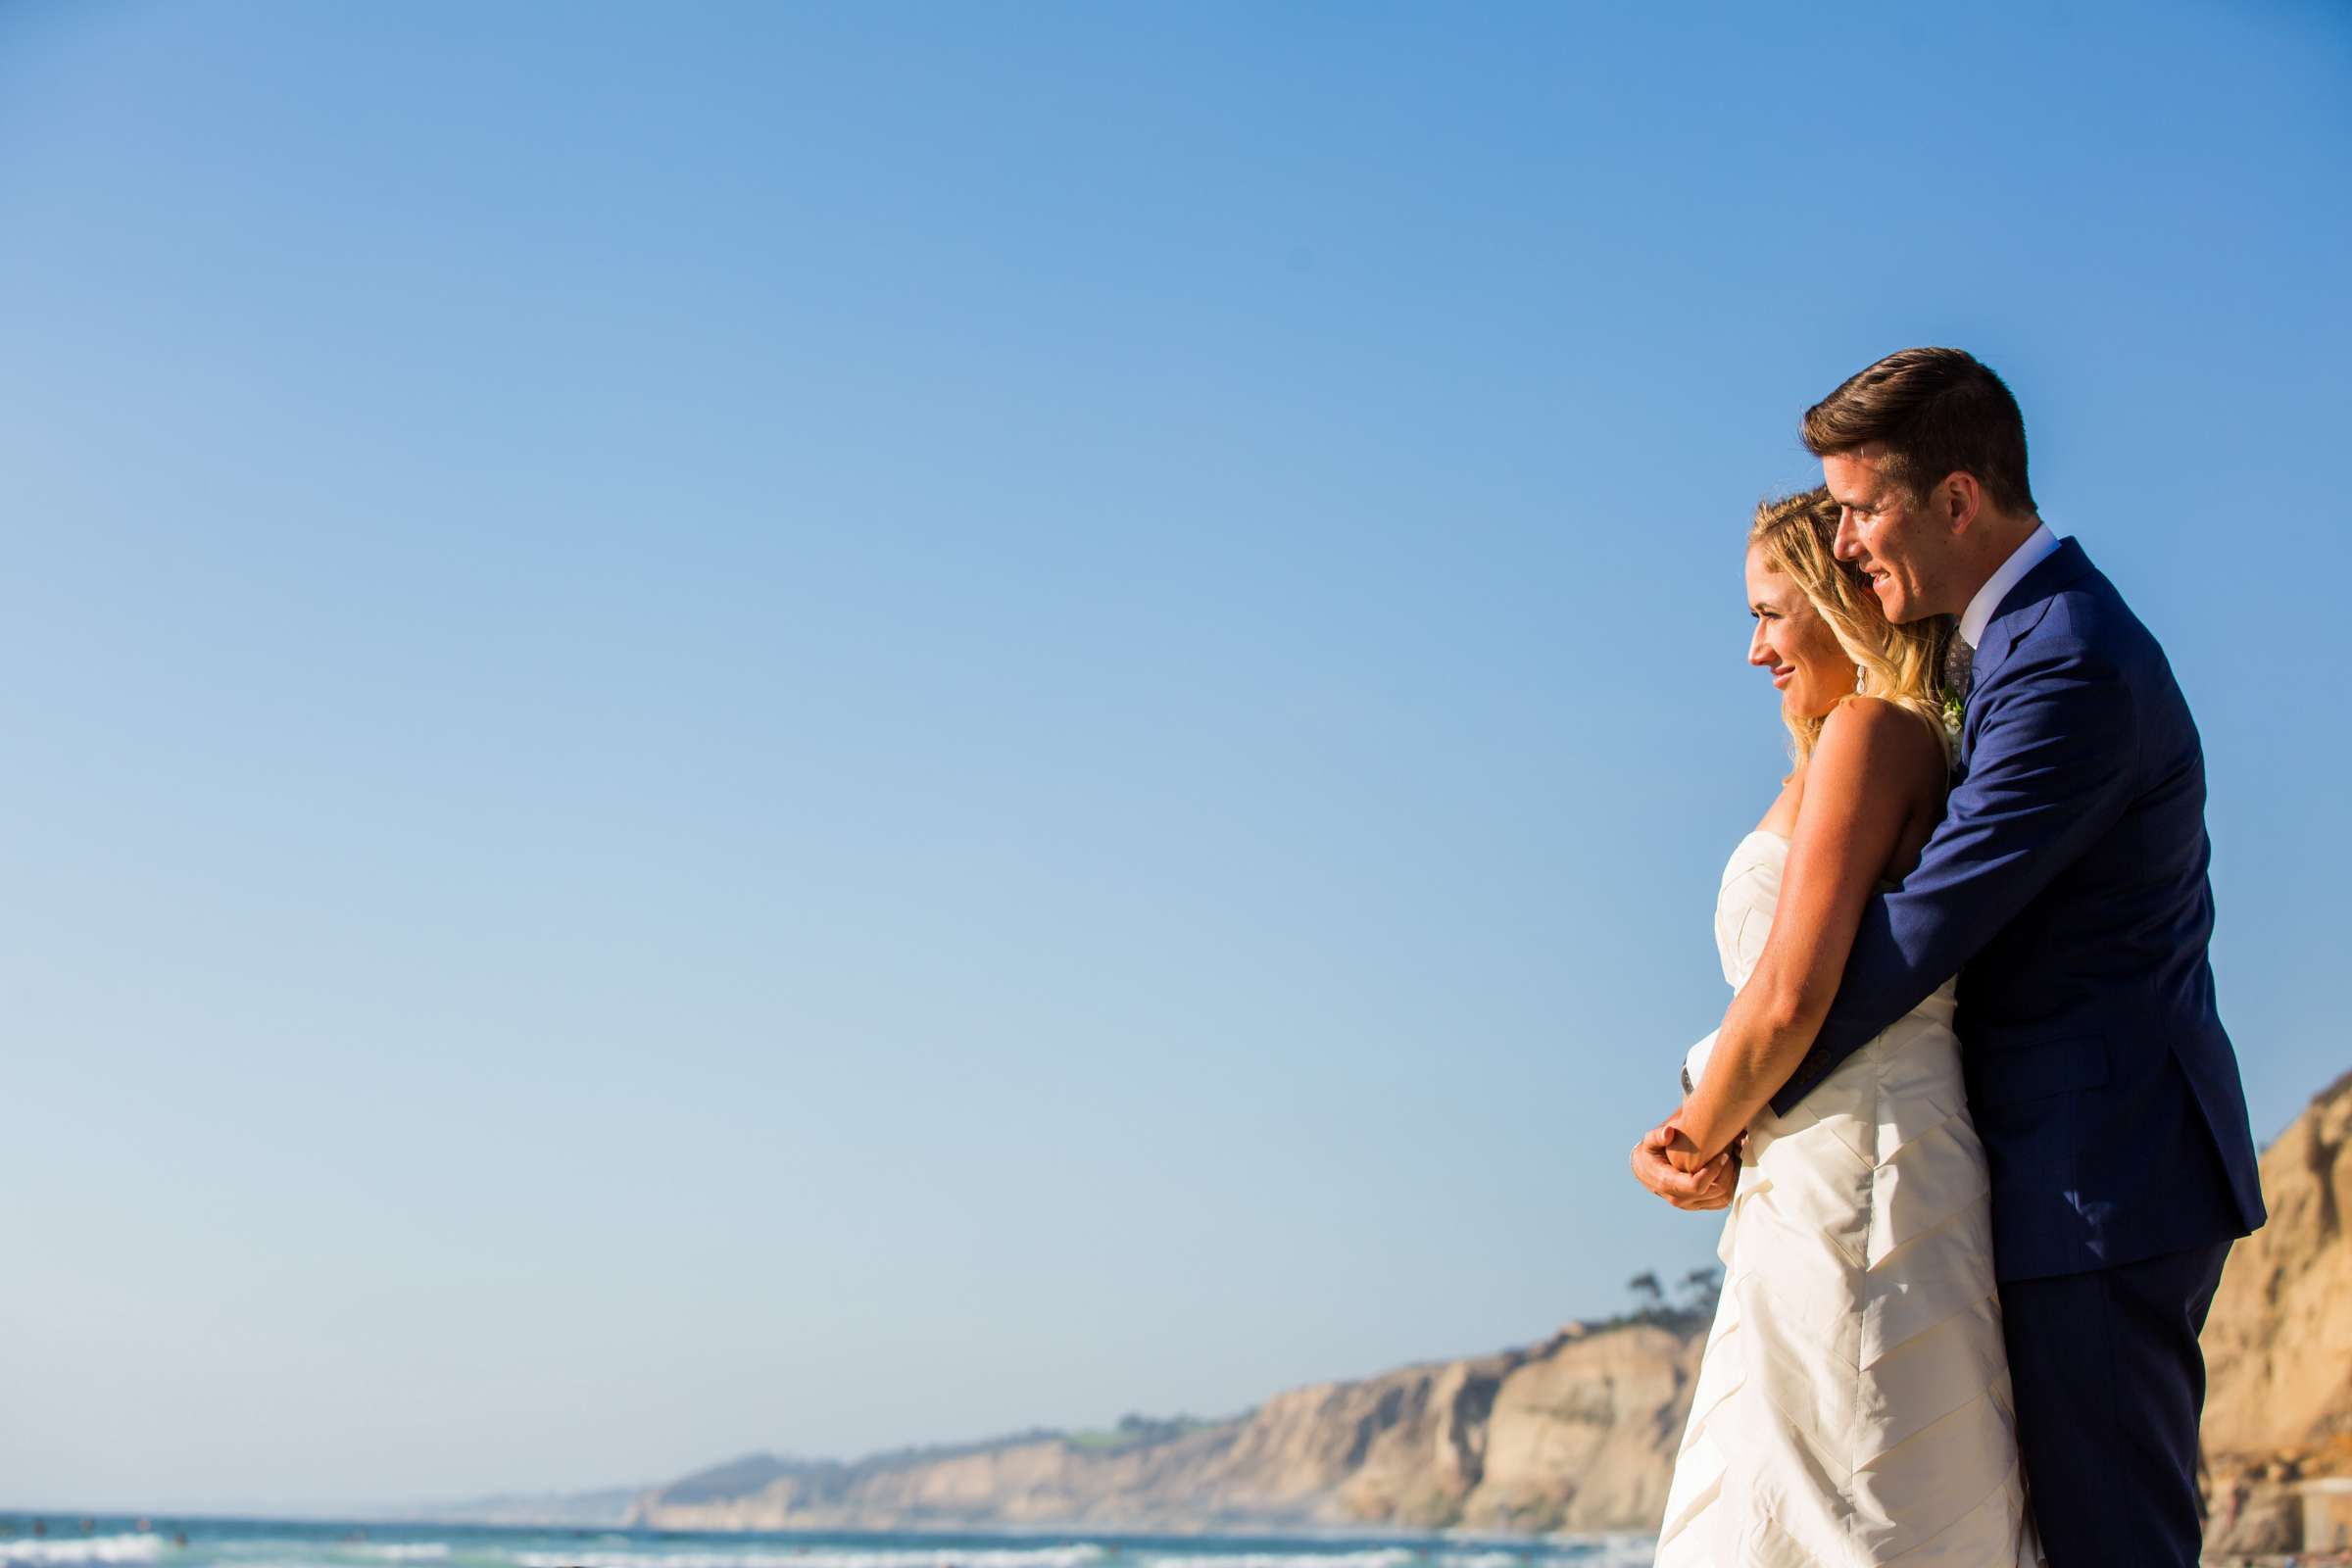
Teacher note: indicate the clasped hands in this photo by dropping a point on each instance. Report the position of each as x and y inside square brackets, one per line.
[1667, 1163]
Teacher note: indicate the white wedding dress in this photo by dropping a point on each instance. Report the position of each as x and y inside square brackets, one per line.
[1853, 1401]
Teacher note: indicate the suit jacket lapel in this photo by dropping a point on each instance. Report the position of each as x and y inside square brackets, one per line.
[2019, 610]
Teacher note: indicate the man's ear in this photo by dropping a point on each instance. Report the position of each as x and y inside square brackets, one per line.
[1959, 500]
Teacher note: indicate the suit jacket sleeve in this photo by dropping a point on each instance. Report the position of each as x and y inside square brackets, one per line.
[2051, 769]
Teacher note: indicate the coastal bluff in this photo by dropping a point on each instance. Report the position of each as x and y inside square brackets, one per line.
[1576, 1432]
[2278, 1342]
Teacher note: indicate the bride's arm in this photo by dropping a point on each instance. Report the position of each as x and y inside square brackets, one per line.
[1859, 791]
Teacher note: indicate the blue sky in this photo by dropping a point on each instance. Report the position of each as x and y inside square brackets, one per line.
[807, 727]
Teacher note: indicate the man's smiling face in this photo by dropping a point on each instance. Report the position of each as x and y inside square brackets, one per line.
[1888, 532]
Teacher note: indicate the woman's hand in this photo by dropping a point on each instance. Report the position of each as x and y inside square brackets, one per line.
[1684, 1155]
[1710, 1186]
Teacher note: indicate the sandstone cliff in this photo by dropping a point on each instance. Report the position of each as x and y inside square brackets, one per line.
[2278, 1342]
[1576, 1432]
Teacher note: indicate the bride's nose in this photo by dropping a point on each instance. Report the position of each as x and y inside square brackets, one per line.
[1758, 652]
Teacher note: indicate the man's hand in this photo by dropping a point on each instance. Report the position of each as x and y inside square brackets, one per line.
[1708, 1186]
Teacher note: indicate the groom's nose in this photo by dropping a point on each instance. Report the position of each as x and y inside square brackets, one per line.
[1847, 546]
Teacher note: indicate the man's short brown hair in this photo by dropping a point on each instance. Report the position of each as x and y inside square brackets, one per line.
[1939, 412]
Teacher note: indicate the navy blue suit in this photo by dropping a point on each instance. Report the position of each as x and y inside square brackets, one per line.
[2066, 886]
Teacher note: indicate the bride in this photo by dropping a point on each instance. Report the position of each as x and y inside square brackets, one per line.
[1853, 1403]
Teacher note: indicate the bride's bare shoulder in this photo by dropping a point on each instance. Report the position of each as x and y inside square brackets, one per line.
[1880, 738]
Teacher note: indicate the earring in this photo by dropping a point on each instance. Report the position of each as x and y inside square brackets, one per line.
[1860, 677]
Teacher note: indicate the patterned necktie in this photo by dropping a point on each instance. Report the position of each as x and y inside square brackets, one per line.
[1959, 666]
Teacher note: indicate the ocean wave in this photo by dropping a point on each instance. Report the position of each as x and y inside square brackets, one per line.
[87, 1548]
[1373, 1557]
[1618, 1551]
[417, 1551]
[1078, 1556]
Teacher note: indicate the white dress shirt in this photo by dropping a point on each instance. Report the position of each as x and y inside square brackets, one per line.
[2038, 547]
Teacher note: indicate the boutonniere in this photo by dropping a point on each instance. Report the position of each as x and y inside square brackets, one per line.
[1955, 711]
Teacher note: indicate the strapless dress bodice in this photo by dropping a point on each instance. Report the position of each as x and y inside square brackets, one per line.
[1744, 901]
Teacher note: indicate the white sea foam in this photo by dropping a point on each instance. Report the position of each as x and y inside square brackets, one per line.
[1078, 1556]
[87, 1548]
[414, 1551]
[1373, 1557]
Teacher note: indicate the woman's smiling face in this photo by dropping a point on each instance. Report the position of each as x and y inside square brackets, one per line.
[1791, 640]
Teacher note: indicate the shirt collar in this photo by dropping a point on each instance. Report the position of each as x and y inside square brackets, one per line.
[2038, 547]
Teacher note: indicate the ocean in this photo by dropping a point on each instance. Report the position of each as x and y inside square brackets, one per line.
[30, 1541]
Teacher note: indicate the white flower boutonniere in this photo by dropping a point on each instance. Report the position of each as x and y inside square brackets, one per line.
[1954, 712]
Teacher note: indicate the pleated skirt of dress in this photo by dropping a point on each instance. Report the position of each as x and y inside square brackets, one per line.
[1853, 1401]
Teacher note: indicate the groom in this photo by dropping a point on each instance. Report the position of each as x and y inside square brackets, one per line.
[2067, 888]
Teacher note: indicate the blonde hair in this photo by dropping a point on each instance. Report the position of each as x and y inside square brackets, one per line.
[1904, 665]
